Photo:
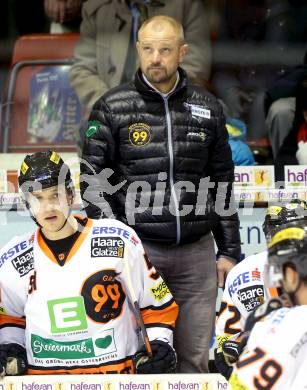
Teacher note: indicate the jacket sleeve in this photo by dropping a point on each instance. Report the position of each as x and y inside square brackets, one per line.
[96, 171]
[226, 232]
[158, 308]
[84, 76]
[197, 62]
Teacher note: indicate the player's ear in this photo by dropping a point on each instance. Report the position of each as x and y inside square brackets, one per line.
[291, 279]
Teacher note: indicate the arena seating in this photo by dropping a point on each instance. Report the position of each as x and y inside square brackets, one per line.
[39, 109]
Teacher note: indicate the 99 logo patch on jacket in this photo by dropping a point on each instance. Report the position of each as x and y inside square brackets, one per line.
[139, 134]
[103, 296]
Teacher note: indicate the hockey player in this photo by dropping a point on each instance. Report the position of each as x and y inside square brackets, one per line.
[275, 356]
[245, 288]
[69, 289]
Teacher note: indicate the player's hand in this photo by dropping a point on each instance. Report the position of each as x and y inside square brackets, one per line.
[226, 356]
[13, 360]
[164, 359]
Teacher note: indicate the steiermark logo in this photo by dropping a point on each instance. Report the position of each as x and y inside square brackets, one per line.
[67, 314]
[102, 344]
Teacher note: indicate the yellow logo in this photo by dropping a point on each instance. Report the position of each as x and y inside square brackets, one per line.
[24, 167]
[60, 386]
[287, 234]
[160, 291]
[55, 157]
[273, 210]
[139, 134]
[262, 177]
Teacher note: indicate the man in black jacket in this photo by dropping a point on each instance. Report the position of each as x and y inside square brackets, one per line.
[156, 156]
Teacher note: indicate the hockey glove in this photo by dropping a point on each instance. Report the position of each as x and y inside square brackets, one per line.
[164, 359]
[13, 360]
[227, 355]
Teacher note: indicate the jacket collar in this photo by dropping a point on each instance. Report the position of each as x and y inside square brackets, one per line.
[144, 88]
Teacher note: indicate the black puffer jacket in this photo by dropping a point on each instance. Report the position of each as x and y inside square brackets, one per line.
[152, 143]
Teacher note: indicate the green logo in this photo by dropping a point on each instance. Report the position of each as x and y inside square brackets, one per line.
[48, 348]
[104, 342]
[79, 349]
[67, 314]
[93, 126]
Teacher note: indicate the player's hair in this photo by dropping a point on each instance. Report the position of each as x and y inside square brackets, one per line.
[158, 23]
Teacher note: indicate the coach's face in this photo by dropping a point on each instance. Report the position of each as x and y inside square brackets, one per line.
[160, 52]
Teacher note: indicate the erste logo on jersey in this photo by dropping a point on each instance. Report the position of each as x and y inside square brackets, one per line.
[107, 247]
[251, 297]
[21, 246]
[115, 230]
[243, 278]
[24, 263]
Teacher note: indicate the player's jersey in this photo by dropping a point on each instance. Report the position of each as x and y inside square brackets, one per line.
[79, 317]
[276, 353]
[244, 291]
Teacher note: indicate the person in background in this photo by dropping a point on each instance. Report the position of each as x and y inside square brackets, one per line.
[65, 15]
[281, 102]
[294, 148]
[106, 56]
[66, 289]
[163, 140]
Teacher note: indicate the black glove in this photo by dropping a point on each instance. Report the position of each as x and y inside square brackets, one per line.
[164, 359]
[13, 359]
[227, 355]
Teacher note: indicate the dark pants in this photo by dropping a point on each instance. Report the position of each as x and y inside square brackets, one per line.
[190, 273]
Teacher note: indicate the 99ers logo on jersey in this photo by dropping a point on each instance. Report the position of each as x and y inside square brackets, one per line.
[103, 296]
[107, 247]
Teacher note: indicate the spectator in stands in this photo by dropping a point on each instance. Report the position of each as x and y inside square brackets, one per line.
[65, 15]
[163, 138]
[106, 57]
[294, 148]
[241, 153]
[248, 55]
[280, 104]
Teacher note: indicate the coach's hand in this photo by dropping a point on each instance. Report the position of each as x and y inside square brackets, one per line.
[223, 266]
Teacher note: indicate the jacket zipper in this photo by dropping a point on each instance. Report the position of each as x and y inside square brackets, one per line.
[171, 178]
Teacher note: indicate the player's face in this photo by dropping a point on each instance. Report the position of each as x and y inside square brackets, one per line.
[160, 53]
[50, 207]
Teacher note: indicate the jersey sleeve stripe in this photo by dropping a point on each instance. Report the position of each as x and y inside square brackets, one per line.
[10, 321]
[165, 316]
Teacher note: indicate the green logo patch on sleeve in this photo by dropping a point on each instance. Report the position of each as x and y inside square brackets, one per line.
[93, 127]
